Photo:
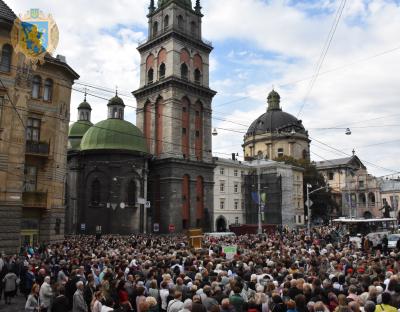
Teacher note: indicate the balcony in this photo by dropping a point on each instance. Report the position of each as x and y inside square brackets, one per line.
[40, 149]
[34, 199]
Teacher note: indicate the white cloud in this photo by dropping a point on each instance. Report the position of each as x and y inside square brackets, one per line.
[362, 91]
[100, 39]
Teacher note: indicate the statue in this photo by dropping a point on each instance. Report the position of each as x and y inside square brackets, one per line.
[386, 210]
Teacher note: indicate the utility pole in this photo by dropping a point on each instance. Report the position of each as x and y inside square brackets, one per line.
[259, 230]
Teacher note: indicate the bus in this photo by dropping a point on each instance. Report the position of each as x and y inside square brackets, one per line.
[374, 229]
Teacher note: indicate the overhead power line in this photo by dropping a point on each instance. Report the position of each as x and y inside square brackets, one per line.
[324, 53]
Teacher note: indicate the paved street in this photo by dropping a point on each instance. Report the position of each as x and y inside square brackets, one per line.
[17, 305]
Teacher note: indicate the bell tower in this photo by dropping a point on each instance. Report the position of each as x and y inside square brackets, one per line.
[174, 112]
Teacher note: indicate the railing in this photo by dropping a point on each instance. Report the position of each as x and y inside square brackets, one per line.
[37, 148]
[161, 32]
[34, 199]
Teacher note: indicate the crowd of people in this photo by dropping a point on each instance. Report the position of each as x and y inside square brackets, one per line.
[286, 271]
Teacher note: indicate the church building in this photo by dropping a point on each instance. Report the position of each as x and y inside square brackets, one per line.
[165, 161]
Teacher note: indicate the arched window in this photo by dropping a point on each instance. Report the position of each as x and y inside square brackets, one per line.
[166, 22]
[184, 71]
[197, 76]
[150, 75]
[155, 29]
[48, 90]
[131, 193]
[36, 86]
[121, 113]
[6, 56]
[115, 113]
[193, 28]
[162, 71]
[180, 21]
[96, 192]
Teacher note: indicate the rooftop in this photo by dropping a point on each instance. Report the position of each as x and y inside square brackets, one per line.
[6, 13]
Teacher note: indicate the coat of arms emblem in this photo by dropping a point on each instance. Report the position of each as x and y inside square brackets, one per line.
[34, 35]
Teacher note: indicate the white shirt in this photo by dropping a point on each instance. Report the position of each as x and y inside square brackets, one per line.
[163, 295]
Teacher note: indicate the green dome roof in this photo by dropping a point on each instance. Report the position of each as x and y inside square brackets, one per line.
[114, 134]
[184, 3]
[76, 131]
[85, 105]
[79, 128]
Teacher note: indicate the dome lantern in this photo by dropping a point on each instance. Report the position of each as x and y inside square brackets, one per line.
[274, 101]
[116, 107]
[84, 110]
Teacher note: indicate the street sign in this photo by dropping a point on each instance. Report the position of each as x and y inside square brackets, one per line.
[83, 227]
[171, 228]
[156, 227]
[148, 204]
[141, 201]
[309, 203]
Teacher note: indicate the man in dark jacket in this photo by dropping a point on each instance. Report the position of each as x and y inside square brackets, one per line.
[60, 303]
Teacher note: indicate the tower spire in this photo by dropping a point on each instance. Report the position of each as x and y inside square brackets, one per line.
[84, 99]
[151, 7]
[197, 8]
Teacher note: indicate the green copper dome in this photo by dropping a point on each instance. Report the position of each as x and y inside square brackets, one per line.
[114, 134]
[76, 131]
[184, 3]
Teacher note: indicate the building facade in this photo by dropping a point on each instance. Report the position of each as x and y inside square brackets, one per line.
[34, 117]
[107, 174]
[229, 204]
[174, 113]
[354, 190]
[390, 195]
[281, 189]
[276, 134]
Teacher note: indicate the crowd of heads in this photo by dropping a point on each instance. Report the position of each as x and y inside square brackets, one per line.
[286, 271]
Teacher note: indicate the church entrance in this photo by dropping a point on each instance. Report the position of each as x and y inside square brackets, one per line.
[220, 224]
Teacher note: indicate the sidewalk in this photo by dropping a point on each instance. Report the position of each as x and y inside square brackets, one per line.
[17, 304]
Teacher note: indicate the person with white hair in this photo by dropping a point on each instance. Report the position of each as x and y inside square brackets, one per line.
[45, 295]
[79, 304]
[187, 305]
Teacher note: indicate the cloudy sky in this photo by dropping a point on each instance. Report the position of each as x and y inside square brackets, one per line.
[259, 44]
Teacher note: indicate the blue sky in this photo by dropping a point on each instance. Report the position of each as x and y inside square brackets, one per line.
[259, 44]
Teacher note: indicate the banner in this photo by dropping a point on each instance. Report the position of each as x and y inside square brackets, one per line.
[229, 251]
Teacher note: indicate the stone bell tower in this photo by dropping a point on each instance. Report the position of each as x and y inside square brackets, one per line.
[174, 113]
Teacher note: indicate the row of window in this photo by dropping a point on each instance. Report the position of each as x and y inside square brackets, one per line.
[181, 25]
[235, 172]
[184, 74]
[38, 91]
[222, 187]
[235, 204]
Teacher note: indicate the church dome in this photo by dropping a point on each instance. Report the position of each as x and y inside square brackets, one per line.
[76, 131]
[116, 100]
[85, 105]
[275, 120]
[114, 134]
